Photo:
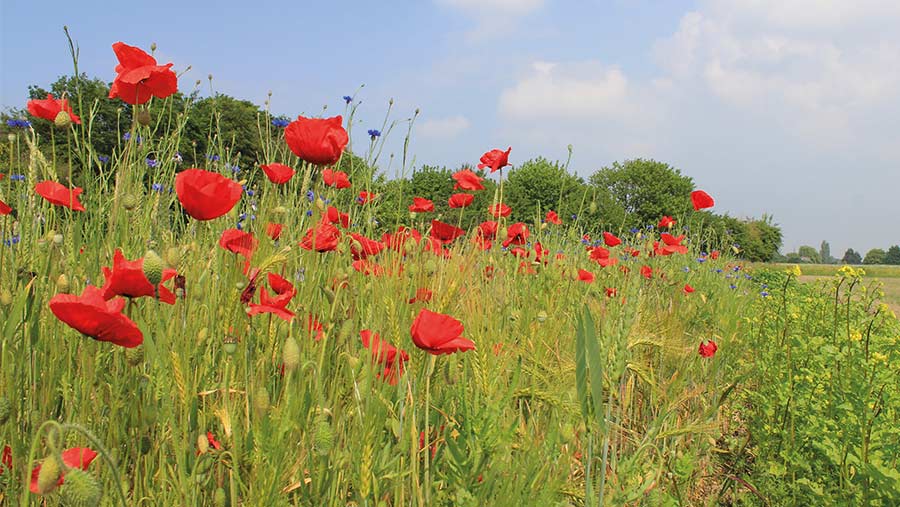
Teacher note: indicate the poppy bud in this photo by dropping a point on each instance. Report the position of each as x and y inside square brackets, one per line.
[134, 356]
[5, 410]
[229, 345]
[153, 267]
[62, 120]
[143, 117]
[502, 232]
[48, 475]
[82, 488]
[57, 239]
[5, 297]
[543, 225]
[290, 355]
[323, 439]
[320, 204]
[593, 207]
[62, 284]
[261, 401]
[152, 46]
[202, 443]
[11, 137]
[279, 210]
[219, 497]
[129, 202]
[541, 316]
[173, 257]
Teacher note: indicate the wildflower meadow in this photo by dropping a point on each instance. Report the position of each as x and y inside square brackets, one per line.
[185, 327]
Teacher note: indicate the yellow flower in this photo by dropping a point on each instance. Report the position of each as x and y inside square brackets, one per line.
[794, 270]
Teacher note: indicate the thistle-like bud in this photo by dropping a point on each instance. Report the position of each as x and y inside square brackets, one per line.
[202, 443]
[323, 439]
[593, 207]
[81, 488]
[290, 355]
[62, 120]
[153, 267]
[143, 117]
[173, 257]
[48, 475]
[62, 284]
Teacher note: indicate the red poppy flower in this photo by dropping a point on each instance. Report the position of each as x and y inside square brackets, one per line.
[321, 238]
[273, 230]
[127, 278]
[365, 197]
[540, 252]
[93, 316]
[516, 234]
[488, 230]
[423, 295]
[367, 267]
[466, 179]
[481, 242]
[421, 205]
[363, 247]
[445, 233]
[278, 174]
[519, 252]
[139, 77]
[461, 200]
[611, 240]
[75, 457]
[277, 305]
[701, 200]
[238, 242]
[206, 195]
[50, 108]
[526, 269]
[602, 257]
[611, 292]
[688, 289]
[495, 159]
[666, 222]
[708, 349]
[672, 244]
[386, 355]
[397, 240]
[714, 254]
[6, 459]
[499, 210]
[552, 218]
[336, 179]
[315, 327]
[5, 209]
[60, 195]
[333, 216]
[437, 333]
[212, 442]
[317, 140]
[585, 276]
[646, 272]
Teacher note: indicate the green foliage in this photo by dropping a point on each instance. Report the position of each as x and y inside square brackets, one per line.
[825, 253]
[851, 256]
[874, 256]
[646, 190]
[223, 124]
[538, 185]
[809, 254]
[892, 256]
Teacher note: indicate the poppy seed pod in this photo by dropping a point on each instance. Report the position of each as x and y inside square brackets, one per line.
[153, 267]
[290, 355]
[143, 117]
[48, 475]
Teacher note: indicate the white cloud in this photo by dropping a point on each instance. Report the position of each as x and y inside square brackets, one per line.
[513, 7]
[566, 90]
[443, 128]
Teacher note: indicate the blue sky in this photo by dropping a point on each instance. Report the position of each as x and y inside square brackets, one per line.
[790, 108]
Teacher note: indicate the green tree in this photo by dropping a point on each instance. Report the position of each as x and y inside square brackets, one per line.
[222, 124]
[646, 190]
[539, 185]
[874, 256]
[825, 253]
[809, 254]
[892, 256]
[851, 256]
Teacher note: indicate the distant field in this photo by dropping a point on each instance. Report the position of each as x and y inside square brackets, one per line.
[889, 276]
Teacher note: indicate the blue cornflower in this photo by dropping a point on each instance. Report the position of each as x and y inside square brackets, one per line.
[103, 159]
[151, 162]
[17, 177]
[241, 217]
[310, 195]
[127, 136]
[12, 241]
[280, 123]
[214, 158]
[685, 228]
[249, 192]
[764, 294]
[235, 169]
[240, 226]
[635, 230]
[22, 124]
[309, 213]
[156, 187]
[574, 216]
[348, 99]
[736, 268]
[373, 133]
[719, 270]
[733, 286]
[585, 241]
[177, 158]
[687, 269]
[764, 286]
[701, 259]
